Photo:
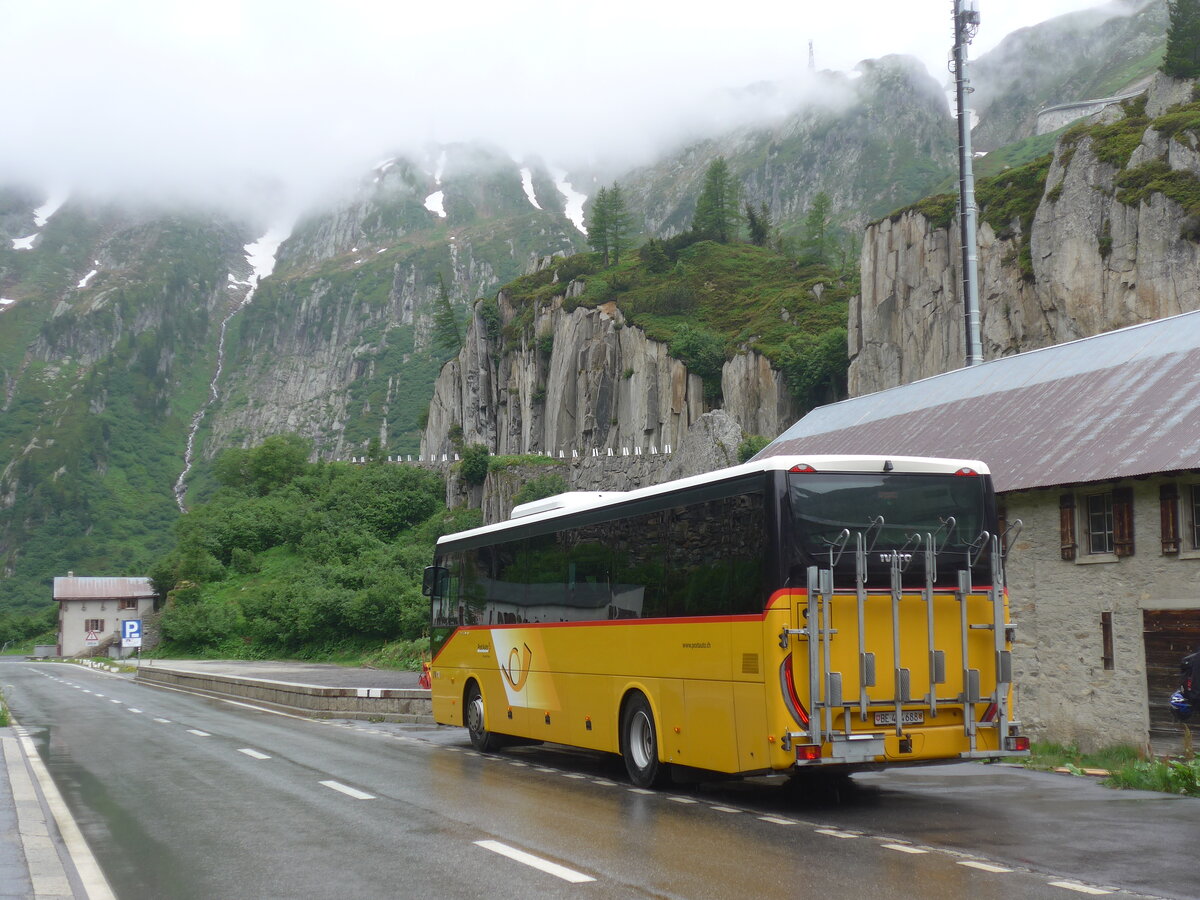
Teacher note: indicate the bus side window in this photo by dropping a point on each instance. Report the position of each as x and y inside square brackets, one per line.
[639, 567]
[745, 551]
[698, 574]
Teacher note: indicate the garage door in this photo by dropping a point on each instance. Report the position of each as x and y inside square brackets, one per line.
[1170, 635]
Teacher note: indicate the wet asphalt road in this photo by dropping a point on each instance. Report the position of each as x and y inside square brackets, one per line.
[184, 797]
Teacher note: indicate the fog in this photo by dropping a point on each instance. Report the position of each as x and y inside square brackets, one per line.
[222, 99]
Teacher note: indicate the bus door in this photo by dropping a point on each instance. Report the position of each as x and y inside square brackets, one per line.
[882, 670]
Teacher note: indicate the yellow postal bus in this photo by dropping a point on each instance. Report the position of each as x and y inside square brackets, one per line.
[787, 614]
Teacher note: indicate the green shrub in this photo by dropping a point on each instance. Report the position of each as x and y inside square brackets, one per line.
[474, 465]
[540, 487]
[750, 446]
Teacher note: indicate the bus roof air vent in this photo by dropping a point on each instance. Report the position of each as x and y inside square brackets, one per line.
[571, 500]
[887, 465]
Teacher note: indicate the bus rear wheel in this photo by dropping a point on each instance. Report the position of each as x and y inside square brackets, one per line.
[639, 744]
[481, 739]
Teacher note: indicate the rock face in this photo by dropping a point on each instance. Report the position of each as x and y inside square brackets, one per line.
[585, 381]
[1097, 264]
[600, 385]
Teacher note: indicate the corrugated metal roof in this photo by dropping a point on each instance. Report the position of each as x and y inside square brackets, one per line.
[74, 588]
[1116, 405]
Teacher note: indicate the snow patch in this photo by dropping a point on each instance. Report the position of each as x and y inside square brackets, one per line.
[261, 253]
[4, 301]
[382, 250]
[527, 183]
[573, 199]
[435, 203]
[83, 282]
[42, 214]
[25, 243]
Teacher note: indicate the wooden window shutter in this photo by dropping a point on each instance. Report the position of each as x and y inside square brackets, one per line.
[1168, 509]
[1066, 525]
[1123, 521]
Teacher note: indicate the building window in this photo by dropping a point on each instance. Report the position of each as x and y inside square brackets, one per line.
[1106, 634]
[1193, 498]
[1099, 523]
[127, 604]
[96, 625]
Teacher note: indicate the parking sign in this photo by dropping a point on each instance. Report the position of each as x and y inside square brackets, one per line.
[131, 632]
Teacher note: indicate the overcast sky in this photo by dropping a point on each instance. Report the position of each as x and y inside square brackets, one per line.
[166, 95]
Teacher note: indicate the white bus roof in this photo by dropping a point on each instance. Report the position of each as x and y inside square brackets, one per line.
[574, 501]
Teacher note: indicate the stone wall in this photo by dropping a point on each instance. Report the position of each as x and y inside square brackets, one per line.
[1064, 693]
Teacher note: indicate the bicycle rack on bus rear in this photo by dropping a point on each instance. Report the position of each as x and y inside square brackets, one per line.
[825, 685]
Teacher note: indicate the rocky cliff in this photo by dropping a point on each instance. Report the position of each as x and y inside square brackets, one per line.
[581, 378]
[1106, 238]
[337, 345]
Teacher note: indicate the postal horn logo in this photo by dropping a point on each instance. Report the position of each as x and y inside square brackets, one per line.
[517, 669]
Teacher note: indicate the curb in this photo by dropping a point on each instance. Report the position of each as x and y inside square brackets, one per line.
[406, 705]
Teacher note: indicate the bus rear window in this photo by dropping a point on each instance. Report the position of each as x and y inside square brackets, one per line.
[893, 512]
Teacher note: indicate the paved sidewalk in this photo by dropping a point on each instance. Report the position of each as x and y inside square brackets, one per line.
[319, 674]
[30, 866]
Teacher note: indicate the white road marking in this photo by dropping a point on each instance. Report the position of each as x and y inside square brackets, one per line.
[834, 833]
[86, 691]
[604, 782]
[162, 721]
[573, 775]
[681, 799]
[548, 771]
[1078, 888]
[113, 700]
[453, 749]
[640, 791]
[133, 709]
[725, 809]
[905, 848]
[536, 862]
[198, 733]
[249, 752]
[775, 820]
[101, 696]
[986, 867]
[348, 791]
[517, 763]
[95, 884]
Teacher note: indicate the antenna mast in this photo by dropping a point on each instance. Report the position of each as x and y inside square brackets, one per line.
[966, 23]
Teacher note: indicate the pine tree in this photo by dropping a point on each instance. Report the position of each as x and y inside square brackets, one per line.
[816, 229]
[758, 223]
[447, 336]
[618, 222]
[1182, 59]
[597, 224]
[717, 215]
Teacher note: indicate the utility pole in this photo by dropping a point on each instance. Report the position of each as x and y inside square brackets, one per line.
[966, 23]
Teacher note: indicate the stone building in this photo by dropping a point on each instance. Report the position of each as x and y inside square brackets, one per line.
[1095, 446]
[90, 612]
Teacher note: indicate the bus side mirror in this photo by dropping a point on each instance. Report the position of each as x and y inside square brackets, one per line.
[433, 584]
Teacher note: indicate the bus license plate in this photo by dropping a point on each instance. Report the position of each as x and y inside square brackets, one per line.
[907, 717]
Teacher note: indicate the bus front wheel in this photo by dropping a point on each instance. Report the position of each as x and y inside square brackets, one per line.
[482, 739]
[639, 743]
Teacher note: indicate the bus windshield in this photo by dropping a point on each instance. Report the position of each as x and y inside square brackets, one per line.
[894, 512]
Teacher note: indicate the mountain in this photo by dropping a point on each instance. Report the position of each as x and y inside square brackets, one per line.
[1093, 53]
[872, 140]
[1100, 234]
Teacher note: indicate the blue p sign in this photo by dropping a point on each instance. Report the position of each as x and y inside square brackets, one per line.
[131, 632]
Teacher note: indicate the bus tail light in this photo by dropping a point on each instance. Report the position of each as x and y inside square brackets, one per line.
[1018, 743]
[967, 471]
[802, 469]
[808, 752]
[799, 713]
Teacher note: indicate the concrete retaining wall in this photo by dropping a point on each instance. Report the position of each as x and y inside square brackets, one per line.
[376, 704]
